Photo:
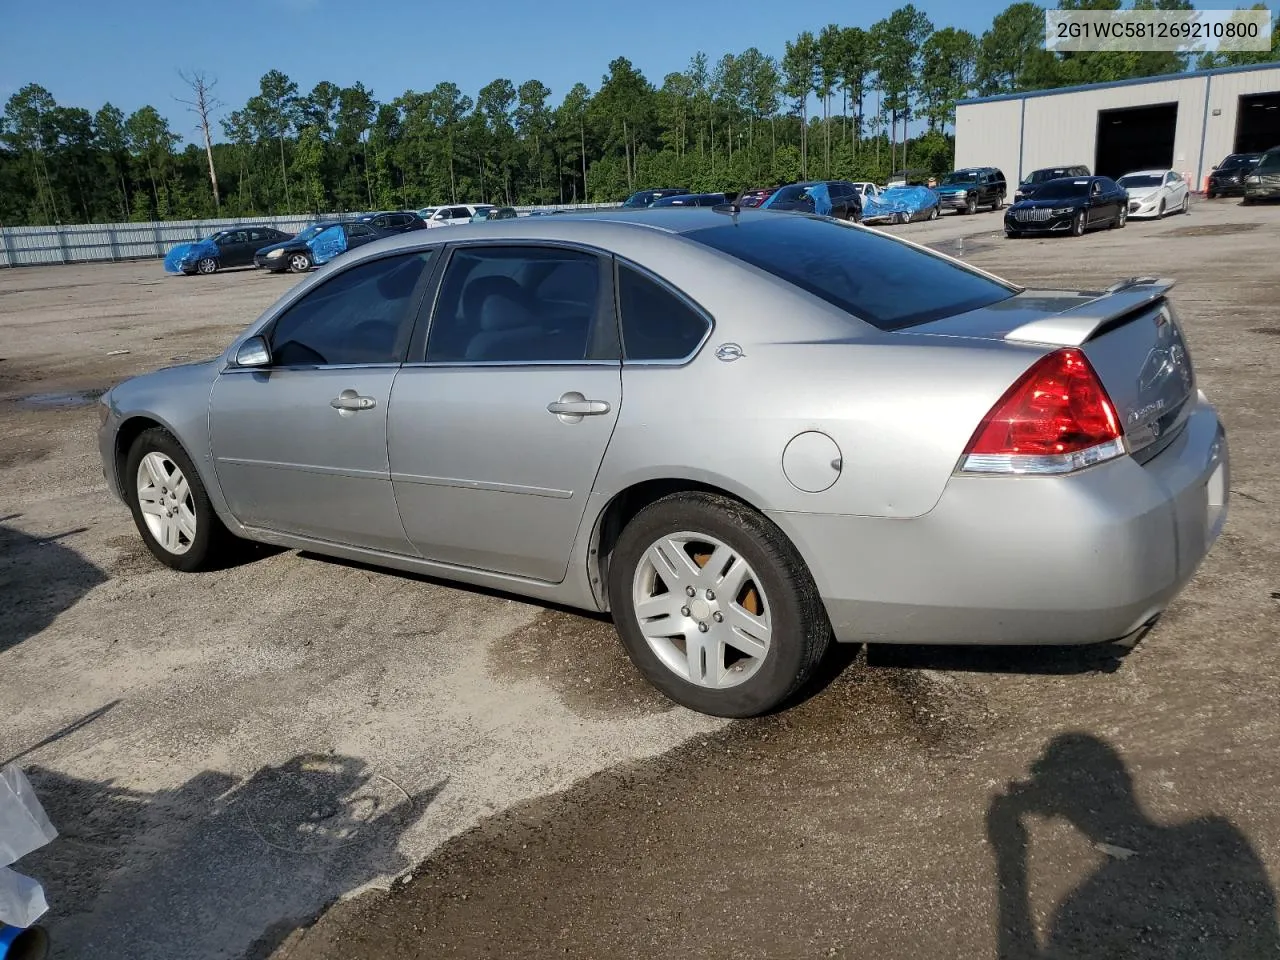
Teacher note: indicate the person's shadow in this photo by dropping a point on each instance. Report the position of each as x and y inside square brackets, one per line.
[1195, 889]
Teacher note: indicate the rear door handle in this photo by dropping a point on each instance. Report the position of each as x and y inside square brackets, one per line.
[575, 405]
[350, 401]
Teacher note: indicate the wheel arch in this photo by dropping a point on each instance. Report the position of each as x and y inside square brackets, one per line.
[628, 502]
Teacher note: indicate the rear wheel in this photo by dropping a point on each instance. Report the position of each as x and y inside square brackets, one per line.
[300, 262]
[1077, 225]
[170, 505]
[999, 203]
[1121, 217]
[715, 606]
[933, 213]
[1186, 203]
[207, 265]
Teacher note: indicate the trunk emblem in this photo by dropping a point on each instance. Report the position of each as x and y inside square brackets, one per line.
[729, 352]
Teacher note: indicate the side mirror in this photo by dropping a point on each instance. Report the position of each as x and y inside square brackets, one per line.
[254, 352]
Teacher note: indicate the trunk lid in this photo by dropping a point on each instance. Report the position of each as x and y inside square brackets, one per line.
[1129, 333]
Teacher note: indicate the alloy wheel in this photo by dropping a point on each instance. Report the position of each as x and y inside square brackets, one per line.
[702, 610]
[167, 506]
[299, 263]
[208, 265]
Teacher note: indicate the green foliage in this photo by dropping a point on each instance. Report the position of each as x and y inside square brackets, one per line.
[742, 121]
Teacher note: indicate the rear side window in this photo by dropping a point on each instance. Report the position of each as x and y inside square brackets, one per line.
[876, 278]
[656, 323]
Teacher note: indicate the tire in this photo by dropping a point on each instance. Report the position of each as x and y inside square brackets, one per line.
[1186, 204]
[933, 213]
[998, 204]
[1012, 234]
[1246, 201]
[207, 265]
[899, 218]
[300, 262]
[971, 206]
[211, 542]
[1121, 219]
[1210, 195]
[785, 596]
[1160, 212]
[1077, 225]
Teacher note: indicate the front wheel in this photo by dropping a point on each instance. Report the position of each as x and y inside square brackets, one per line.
[300, 263]
[971, 206]
[715, 606]
[1077, 225]
[1160, 213]
[207, 265]
[899, 218]
[170, 505]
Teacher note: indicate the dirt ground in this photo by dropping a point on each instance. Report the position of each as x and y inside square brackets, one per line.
[227, 754]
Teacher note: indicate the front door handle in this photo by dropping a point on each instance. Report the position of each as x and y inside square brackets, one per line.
[348, 401]
[573, 406]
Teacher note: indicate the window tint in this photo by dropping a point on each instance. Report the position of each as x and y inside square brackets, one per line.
[460, 212]
[656, 324]
[360, 316]
[868, 274]
[516, 305]
[359, 230]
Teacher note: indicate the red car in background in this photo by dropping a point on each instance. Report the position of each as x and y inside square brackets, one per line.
[753, 198]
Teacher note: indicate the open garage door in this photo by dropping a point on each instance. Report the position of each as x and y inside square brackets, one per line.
[1136, 138]
[1258, 123]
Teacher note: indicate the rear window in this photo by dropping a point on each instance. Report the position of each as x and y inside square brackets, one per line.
[878, 279]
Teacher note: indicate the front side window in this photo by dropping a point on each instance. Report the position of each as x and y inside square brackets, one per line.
[656, 323]
[362, 315]
[516, 305]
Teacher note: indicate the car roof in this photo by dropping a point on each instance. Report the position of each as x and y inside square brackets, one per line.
[1148, 173]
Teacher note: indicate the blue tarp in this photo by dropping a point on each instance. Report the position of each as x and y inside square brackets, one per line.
[187, 254]
[327, 244]
[905, 200]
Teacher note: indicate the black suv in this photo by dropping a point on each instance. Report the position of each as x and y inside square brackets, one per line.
[1032, 181]
[394, 221]
[846, 202]
[1228, 177]
[972, 187]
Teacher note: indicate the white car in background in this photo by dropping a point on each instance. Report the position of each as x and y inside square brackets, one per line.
[455, 215]
[1153, 193]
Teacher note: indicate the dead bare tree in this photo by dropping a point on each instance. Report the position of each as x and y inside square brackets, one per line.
[202, 104]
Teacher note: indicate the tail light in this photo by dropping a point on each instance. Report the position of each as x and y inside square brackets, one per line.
[1055, 419]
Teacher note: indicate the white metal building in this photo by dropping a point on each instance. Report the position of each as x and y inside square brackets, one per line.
[1186, 122]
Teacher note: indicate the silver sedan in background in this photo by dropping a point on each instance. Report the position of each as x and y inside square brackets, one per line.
[742, 434]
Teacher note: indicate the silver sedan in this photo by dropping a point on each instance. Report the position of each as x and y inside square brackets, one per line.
[742, 434]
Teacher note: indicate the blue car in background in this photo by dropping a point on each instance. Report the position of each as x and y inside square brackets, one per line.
[226, 248]
[317, 244]
[690, 200]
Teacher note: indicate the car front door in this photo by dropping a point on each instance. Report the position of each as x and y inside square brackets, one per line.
[497, 432]
[231, 248]
[1178, 190]
[300, 446]
[1099, 209]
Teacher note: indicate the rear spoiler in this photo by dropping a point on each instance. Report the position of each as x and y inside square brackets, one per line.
[1073, 327]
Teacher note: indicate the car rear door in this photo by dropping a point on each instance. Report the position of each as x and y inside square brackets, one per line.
[497, 430]
[300, 446]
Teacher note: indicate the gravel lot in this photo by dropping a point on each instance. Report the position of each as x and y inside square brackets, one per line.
[227, 754]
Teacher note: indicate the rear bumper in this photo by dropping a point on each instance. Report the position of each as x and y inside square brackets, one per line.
[1019, 560]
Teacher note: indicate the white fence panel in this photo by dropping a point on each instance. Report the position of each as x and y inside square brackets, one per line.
[97, 242]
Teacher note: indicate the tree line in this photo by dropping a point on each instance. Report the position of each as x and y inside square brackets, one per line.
[845, 101]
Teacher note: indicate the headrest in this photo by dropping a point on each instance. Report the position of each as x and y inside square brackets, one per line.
[500, 311]
[478, 290]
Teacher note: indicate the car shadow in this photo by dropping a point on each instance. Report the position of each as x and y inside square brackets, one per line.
[40, 579]
[1192, 889]
[222, 865]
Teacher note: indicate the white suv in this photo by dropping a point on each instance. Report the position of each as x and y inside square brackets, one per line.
[456, 214]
